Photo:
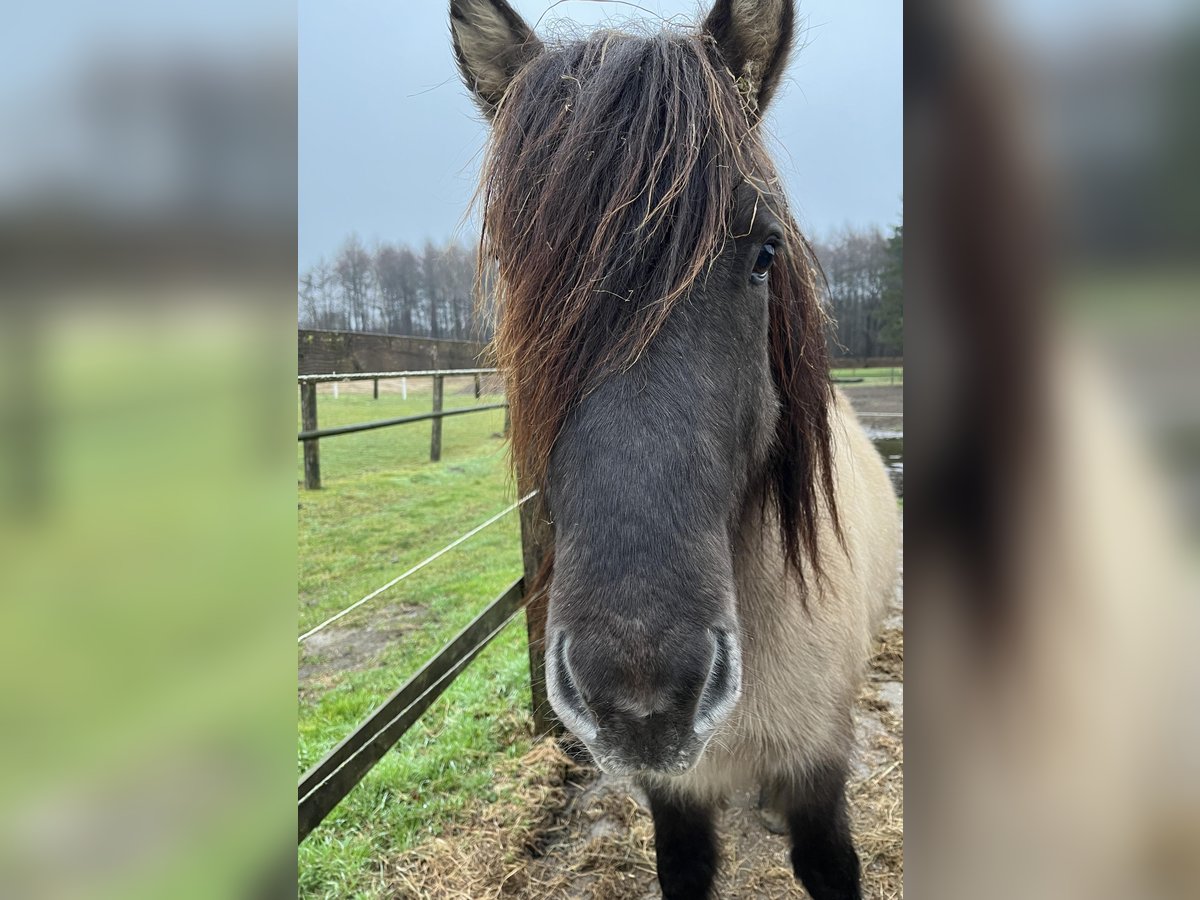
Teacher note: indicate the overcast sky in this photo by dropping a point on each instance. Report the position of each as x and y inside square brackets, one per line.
[390, 141]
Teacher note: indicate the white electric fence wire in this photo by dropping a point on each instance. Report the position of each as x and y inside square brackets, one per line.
[418, 567]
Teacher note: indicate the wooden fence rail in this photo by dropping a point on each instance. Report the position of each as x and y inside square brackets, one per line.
[331, 779]
[387, 423]
[370, 376]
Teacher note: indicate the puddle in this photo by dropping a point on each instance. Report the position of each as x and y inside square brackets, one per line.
[890, 445]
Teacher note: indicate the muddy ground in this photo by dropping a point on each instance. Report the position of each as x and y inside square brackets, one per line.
[875, 398]
[345, 648]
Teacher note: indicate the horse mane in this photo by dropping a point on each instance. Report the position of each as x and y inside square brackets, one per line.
[607, 190]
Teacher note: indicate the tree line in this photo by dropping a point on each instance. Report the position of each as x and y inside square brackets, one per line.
[429, 292]
[394, 289]
[864, 290]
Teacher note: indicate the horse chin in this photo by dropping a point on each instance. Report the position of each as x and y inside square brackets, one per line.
[621, 768]
[618, 764]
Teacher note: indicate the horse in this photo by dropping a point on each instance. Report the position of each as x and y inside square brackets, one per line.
[724, 535]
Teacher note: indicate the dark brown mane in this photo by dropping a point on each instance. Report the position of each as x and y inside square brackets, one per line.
[607, 191]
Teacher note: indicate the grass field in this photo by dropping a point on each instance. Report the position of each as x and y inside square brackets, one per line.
[893, 375]
[384, 507]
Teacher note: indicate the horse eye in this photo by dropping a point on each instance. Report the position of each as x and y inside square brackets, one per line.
[766, 256]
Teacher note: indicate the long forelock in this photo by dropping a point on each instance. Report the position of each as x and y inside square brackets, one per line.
[607, 190]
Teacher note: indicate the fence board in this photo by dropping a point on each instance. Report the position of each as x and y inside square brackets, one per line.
[386, 423]
[408, 373]
[326, 783]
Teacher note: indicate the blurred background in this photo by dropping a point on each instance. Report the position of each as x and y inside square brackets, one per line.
[148, 227]
[1051, 315]
[147, 505]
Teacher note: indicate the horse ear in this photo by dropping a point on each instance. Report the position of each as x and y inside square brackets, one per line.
[491, 43]
[754, 38]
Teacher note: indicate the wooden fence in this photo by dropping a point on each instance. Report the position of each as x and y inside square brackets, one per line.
[326, 783]
[311, 433]
[334, 776]
[342, 768]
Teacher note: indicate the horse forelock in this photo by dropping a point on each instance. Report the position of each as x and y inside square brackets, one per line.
[608, 189]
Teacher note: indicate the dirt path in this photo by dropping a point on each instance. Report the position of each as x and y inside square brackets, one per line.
[875, 398]
[562, 831]
[344, 648]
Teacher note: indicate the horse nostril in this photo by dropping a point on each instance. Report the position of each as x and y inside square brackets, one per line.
[564, 692]
[724, 684]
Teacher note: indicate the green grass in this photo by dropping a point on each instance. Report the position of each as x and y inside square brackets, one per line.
[879, 376]
[384, 507]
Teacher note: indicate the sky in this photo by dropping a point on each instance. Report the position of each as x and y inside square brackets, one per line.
[390, 142]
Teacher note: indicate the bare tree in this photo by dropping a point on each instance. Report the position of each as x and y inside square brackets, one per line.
[459, 281]
[395, 272]
[856, 264]
[410, 294]
[319, 305]
[432, 286]
[353, 269]
[307, 312]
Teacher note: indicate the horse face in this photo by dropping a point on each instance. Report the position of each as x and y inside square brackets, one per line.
[648, 469]
[646, 486]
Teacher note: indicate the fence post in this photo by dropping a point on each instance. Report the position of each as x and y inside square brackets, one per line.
[507, 417]
[308, 422]
[535, 537]
[376, 388]
[478, 385]
[435, 445]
